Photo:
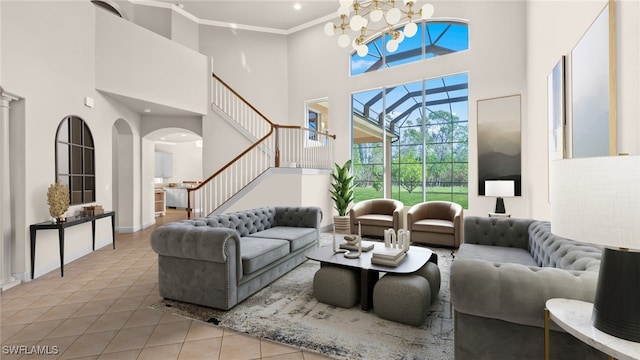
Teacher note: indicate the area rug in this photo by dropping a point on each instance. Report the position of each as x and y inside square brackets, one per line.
[287, 312]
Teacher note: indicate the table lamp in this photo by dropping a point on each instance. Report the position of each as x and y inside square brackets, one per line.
[597, 200]
[499, 189]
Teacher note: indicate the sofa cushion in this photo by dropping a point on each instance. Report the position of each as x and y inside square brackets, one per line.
[496, 254]
[433, 226]
[297, 237]
[375, 220]
[258, 252]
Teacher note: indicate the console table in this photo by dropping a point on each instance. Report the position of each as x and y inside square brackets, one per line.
[574, 316]
[60, 226]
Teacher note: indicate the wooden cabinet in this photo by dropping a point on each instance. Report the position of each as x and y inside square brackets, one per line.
[160, 202]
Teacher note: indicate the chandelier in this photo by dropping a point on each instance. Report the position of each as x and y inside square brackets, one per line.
[372, 17]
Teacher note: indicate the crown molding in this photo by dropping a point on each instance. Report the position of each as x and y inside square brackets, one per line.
[229, 25]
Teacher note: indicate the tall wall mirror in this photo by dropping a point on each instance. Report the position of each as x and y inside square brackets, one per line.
[317, 116]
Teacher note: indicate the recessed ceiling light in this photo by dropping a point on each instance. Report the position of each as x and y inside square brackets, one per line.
[147, 110]
[183, 135]
[163, 138]
[297, 6]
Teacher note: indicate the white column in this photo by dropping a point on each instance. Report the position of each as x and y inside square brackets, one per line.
[6, 241]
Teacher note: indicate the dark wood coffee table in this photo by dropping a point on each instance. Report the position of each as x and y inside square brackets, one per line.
[370, 273]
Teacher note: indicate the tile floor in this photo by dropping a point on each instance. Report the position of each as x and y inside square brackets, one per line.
[99, 310]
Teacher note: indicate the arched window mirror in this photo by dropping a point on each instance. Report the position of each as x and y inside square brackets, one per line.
[75, 160]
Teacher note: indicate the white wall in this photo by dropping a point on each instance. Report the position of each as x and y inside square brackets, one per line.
[255, 65]
[184, 31]
[49, 60]
[187, 161]
[147, 184]
[156, 19]
[151, 123]
[495, 61]
[161, 71]
[547, 40]
[290, 187]
[628, 75]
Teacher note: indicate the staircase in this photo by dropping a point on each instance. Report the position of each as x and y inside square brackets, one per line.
[273, 146]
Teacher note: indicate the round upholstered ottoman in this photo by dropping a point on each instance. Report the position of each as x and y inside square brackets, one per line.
[337, 286]
[431, 272]
[402, 298]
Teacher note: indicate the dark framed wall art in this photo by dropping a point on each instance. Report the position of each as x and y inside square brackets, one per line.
[499, 141]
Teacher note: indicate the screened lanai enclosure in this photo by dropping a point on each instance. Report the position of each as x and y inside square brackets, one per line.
[410, 141]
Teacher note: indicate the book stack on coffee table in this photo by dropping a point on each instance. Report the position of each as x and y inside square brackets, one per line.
[366, 246]
[388, 256]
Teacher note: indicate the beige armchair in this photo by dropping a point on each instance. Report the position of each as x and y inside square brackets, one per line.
[436, 223]
[375, 216]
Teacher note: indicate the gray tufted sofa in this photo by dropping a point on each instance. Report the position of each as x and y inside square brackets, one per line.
[220, 260]
[501, 278]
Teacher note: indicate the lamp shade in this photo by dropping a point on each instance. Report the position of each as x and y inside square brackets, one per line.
[597, 200]
[599, 190]
[499, 188]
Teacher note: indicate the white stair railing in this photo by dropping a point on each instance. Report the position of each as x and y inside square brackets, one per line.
[239, 110]
[277, 145]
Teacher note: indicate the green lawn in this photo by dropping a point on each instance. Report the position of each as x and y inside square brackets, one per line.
[459, 196]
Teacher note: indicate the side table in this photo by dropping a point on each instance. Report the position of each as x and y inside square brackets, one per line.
[574, 316]
[61, 226]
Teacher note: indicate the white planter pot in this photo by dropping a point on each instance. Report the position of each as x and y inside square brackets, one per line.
[341, 224]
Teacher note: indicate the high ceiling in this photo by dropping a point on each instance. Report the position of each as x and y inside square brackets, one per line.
[276, 15]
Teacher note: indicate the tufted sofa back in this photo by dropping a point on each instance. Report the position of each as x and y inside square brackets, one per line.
[244, 222]
[248, 222]
[297, 216]
[507, 232]
[549, 250]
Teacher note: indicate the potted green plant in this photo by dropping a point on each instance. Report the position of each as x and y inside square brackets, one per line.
[342, 195]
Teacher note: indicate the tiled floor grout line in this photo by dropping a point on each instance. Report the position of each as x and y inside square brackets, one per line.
[106, 295]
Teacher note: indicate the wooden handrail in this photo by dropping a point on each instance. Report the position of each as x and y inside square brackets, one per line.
[227, 165]
[242, 98]
[304, 128]
[272, 127]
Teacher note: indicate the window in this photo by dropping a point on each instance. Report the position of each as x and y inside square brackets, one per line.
[75, 160]
[436, 38]
[420, 131]
[314, 120]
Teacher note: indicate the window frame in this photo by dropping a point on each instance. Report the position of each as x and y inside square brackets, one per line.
[379, 42]
[75, 167]
[457, 182]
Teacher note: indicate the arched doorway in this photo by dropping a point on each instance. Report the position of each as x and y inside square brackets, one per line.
[178, 164]
[123, 192]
